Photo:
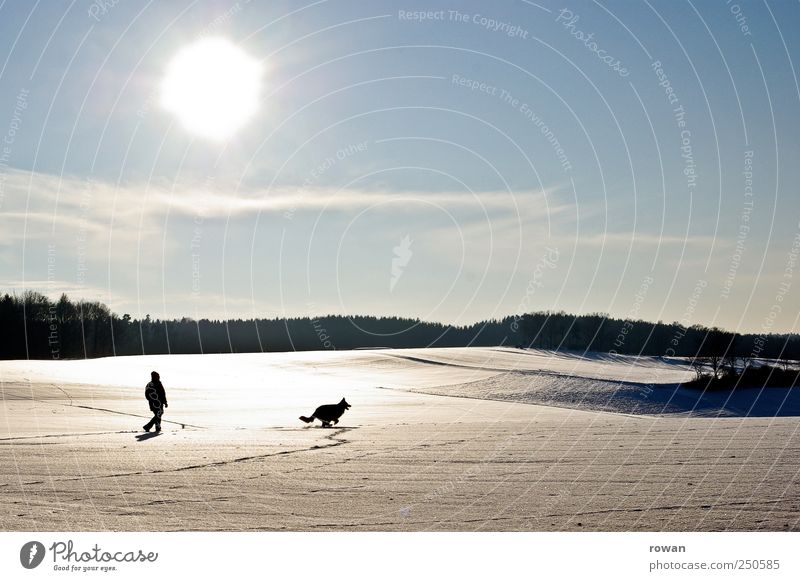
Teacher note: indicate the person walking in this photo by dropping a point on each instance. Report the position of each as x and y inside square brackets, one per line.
[157, 399]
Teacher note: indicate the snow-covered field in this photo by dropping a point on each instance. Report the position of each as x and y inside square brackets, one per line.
[455, 439]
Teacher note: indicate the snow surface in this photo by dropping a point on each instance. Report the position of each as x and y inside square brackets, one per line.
[437, 439]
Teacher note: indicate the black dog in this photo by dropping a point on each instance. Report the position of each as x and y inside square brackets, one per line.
[328, 413]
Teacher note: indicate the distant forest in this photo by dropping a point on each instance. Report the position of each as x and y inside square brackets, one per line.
[35, 327]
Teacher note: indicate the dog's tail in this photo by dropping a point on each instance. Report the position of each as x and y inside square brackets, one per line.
[307, 420]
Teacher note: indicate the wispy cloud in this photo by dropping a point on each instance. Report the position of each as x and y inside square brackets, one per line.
[54, 288]
[58, 198]
[135, 237]
[623, 239]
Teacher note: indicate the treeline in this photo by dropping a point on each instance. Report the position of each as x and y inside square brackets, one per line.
[35, 327]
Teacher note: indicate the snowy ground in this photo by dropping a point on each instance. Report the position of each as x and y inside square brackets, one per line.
[437, 439]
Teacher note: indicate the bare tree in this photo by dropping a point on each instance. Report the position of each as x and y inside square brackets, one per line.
[698, 366]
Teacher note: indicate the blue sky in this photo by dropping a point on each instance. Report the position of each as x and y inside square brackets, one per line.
[468, 166]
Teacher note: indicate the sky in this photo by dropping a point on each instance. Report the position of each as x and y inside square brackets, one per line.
[452, 161]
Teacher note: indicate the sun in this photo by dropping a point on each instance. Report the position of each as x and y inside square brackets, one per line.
[213, 87]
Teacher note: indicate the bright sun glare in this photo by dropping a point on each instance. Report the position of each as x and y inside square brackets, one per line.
[212, 86]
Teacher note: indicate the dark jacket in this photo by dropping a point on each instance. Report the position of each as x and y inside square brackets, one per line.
[155, 395]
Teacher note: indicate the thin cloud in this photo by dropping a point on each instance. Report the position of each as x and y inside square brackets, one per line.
[100, 202]
[617, 239]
